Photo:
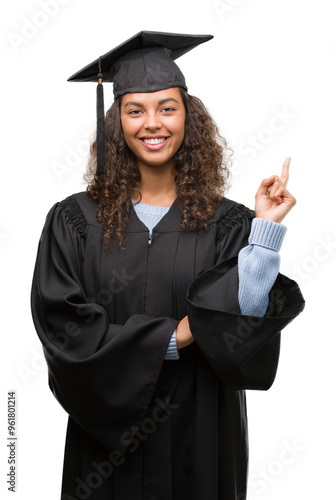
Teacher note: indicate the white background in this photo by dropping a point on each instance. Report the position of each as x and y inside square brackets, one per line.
[268, 58]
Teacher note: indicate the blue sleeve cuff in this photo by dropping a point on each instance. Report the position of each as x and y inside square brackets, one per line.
[267, 233]
[172, 351]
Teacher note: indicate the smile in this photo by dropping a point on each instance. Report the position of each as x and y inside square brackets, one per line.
[154, 143]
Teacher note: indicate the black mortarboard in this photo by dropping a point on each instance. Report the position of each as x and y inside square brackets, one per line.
[144, 63]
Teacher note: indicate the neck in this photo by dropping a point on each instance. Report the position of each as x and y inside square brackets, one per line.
[157, 185]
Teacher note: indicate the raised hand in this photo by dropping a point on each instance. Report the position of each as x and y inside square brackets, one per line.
[272, 200]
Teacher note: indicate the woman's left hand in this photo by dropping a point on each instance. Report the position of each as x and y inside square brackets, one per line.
[275, 205]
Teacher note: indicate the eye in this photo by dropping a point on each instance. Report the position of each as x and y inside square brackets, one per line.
[134, 112]
[168, 109]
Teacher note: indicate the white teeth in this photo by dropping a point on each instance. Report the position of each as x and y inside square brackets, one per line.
[154, 141]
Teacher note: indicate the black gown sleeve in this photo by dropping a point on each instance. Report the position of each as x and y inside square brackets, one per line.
[104, 375]
[243, 350]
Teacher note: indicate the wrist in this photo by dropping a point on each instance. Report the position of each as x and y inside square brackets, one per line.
[266, 233]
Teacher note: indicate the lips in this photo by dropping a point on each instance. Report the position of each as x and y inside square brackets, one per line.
[154, 143]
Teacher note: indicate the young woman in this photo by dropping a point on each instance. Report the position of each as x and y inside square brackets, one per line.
[157, 299]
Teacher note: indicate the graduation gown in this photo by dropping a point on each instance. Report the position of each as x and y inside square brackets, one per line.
[141, 427]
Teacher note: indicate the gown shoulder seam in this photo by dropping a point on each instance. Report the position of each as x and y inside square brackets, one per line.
[233, 218]
[73, 214]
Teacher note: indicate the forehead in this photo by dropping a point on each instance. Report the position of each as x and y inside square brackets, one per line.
[152, 97]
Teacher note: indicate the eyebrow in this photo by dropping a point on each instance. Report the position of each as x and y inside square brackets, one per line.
[163, 101]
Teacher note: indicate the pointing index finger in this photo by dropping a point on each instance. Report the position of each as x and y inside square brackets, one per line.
[285, 171]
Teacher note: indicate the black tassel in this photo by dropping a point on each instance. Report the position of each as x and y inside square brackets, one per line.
[100, 124]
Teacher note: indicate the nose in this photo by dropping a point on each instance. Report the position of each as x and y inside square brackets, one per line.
[152, 121]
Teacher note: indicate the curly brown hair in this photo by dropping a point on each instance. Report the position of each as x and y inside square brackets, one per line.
[202, 160]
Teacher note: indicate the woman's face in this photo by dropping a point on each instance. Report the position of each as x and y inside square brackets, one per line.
[153, 125]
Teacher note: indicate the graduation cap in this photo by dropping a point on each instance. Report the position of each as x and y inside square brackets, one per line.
[143, 63]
